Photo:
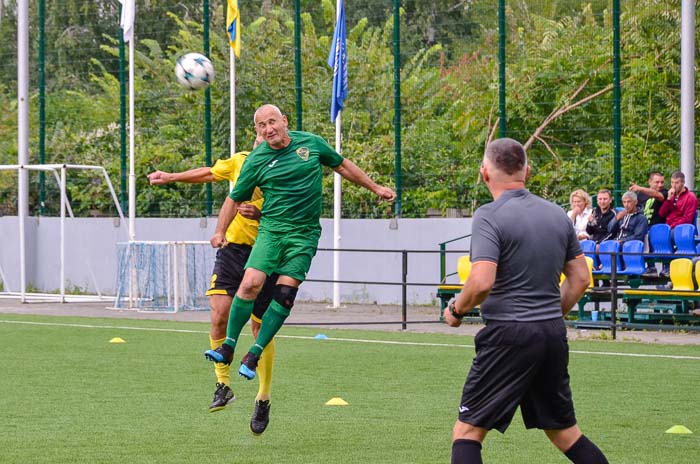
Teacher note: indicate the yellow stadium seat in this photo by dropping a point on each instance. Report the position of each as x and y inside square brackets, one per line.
[589, 263]
[682, 274]
[464, 268]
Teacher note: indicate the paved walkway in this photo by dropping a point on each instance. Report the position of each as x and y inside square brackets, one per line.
[420, 319]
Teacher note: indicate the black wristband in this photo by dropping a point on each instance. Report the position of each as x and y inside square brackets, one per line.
[454, 313]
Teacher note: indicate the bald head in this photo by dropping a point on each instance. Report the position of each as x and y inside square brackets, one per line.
[267, 109]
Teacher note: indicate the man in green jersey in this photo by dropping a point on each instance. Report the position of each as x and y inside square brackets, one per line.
[288, 170]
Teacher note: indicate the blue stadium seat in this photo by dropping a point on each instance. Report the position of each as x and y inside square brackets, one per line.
[684, 237]
[606, 259]
[660, 239]
[633, 258]
[588, 247]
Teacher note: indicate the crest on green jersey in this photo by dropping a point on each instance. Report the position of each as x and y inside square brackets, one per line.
[303, 153]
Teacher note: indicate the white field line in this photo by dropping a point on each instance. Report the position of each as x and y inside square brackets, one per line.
[333, 339]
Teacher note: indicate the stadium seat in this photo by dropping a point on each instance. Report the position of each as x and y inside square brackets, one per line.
[588, 247]
[606, 258]
[696, 273]
[660, 240]
[589, 263]
[682, 274]
[632, 258]
[591, 282]
[684, 237]
[464, 268]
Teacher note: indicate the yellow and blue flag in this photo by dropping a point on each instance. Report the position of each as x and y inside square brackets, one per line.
[233, 26]
[338, 60]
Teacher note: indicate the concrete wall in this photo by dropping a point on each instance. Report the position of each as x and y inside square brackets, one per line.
[91, 258]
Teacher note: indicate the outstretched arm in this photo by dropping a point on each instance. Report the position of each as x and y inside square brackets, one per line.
[192, 176]
[226, 215]
[354, 174]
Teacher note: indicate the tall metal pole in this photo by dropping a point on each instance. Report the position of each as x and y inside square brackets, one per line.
[207, 107]
[688, 92]
[122, 120]
[42, 103]
[297, 63]
[502, 128]
[617, 119]
[397, 109]
[22, 131]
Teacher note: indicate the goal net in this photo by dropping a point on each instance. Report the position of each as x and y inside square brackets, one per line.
[164, 276]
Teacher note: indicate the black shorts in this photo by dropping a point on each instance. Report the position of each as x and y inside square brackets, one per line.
[227, 275]
[519, 364]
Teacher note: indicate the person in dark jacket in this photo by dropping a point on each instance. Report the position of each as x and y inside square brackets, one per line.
[629, 224]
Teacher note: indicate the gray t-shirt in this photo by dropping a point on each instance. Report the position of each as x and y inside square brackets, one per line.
[530, 240]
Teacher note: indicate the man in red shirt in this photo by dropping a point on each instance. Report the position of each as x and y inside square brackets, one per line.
[680, 204]
[679, 207]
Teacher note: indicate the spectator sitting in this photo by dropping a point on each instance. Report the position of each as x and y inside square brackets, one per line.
[580, 211]
[597, 228]
[629, 224]
[678, 208]
[650, 200]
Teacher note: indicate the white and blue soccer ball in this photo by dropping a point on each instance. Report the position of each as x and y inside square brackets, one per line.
[194, 71]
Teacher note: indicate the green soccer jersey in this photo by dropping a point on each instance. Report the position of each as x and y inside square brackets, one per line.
[290, 180]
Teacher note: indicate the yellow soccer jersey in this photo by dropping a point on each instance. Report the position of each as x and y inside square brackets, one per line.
[242, 231]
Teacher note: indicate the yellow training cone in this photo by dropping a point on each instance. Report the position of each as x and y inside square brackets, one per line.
[682, 429]
[336, 402]
[117, 340]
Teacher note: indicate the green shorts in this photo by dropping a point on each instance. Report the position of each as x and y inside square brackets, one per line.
[287, 253]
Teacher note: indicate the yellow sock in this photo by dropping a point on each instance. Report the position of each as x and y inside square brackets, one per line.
[267, 360]
[223, 371]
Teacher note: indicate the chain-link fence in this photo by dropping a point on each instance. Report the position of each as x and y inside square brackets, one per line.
[538, 71]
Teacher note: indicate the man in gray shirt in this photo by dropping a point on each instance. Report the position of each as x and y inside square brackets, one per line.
[520, 246]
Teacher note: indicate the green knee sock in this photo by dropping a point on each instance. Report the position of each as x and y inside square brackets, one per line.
[271, 323]
[238, 317]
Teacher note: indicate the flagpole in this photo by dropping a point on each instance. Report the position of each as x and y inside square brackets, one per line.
[132, 174]
[232, 103]
[337, 198]
[337, 190]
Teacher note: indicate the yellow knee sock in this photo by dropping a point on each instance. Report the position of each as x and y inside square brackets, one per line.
[223, 371]
[267, 360]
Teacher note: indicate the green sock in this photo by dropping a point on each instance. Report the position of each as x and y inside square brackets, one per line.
[271, 323]
[238, 317]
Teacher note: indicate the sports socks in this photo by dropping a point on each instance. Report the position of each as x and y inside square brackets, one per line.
[271, 323]
[584, 451]
[222, 371]
[267, 360]
[466, 452]
[238, 317]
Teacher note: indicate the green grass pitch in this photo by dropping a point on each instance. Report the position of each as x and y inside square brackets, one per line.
[67, 395]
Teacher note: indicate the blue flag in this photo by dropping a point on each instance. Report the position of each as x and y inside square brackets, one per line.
[338, 60]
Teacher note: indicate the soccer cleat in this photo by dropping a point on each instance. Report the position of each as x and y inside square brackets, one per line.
[222, 396]
[223, 354]
[248, 365]
[261, 417]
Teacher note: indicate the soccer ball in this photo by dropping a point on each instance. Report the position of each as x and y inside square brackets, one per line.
[194, 71]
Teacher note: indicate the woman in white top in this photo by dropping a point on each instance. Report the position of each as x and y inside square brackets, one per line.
[581, 209]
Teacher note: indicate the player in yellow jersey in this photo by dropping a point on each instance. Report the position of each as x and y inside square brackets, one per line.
[226, 278]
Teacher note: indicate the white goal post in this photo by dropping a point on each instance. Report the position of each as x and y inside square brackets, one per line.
[59, 172]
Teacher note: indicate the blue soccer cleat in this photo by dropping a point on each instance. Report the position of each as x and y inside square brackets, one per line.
[248, 365]
[223, 354]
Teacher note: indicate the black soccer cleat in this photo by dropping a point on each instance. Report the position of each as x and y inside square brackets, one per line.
[261, 417]
[223, 354]
[222, 396]
[248, 365]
